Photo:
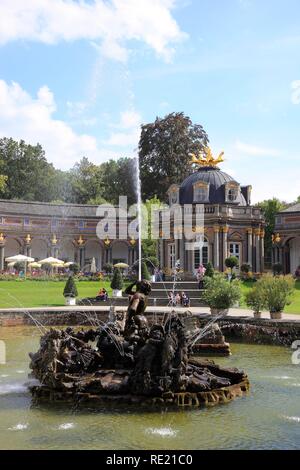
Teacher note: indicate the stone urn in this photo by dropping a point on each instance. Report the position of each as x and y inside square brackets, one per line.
[70, 300]
[257, 314]
[276, 315]
[219, 311]
[117, 293]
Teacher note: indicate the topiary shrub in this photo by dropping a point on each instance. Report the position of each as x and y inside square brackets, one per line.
[117, 280]
[231, 263]
[70, 289]
[210, 272]
[145, 272]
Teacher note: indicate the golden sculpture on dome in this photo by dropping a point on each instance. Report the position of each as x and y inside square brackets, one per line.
[206, 158]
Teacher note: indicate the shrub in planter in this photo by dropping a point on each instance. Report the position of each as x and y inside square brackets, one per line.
[117, 283]
[256, 300]
[70, 291]
[220, 294]
[278, 291]
[210, 272]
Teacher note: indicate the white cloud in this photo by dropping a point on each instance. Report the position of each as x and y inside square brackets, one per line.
[295, 97]
[255, 151]
[112, 23]
[128, 130]
[31, 119]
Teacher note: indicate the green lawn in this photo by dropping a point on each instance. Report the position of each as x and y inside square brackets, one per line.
[293, 308]
[43, 293]
[50, 293]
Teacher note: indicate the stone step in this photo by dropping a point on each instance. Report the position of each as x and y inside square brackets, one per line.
[180, 285]
[159, 293]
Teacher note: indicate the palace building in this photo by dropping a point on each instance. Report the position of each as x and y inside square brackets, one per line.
[287, 239]
[64, 231]
[232, 226]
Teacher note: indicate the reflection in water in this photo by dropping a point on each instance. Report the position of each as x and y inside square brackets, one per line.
[268, 418]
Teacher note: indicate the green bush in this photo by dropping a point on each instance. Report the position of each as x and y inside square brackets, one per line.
[210, 272]
[277, 291]
[256, 299]
[108, 268]
[117, 280]
[231, 262]
[221, 294]
[145, 272]
[70, 289]
[245, 268]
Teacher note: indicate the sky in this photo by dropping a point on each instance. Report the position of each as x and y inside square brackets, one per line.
[80, 77]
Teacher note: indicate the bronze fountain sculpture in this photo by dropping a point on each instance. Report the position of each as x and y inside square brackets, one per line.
[130, 363]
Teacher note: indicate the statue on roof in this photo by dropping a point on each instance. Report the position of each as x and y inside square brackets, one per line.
[206, 158]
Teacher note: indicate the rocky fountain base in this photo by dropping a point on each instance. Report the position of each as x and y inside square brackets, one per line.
[140, 365]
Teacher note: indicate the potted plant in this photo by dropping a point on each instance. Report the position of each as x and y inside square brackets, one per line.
[220, 294]
[278, 291]
[256, 300]
[70, 291]
[117, 283]
[245, 270]
[231, 263]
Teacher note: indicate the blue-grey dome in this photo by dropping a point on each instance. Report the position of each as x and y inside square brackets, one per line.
[217, 180]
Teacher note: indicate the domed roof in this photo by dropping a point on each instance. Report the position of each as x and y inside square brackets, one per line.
[216, 179]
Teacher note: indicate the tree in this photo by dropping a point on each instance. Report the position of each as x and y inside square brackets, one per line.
[118, 179]
[86, 181]
[270, 208]
[145, 272]
[25, 171]
[149, 246]
[70, 289]
[117, 280]
[164, 149]
[209, 270]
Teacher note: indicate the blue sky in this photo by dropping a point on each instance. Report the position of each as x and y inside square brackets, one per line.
[80, 77]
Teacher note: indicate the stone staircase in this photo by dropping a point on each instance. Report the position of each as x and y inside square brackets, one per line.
[160, 290]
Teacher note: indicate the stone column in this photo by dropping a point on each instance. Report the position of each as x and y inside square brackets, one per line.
[161, 253]
[28, 251]
[262, 250]
[257, 249]
[2, 257]
[217, 247]
[225, 231]
[250, 247]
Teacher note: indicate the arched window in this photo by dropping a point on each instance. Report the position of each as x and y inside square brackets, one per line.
[201, 255]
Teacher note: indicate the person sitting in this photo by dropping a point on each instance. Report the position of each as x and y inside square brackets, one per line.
[178, 299]
[102, 295]
[297, 273]
[185, 300]
[172, 299]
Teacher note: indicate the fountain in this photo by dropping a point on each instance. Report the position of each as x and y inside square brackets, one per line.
[132, 363]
